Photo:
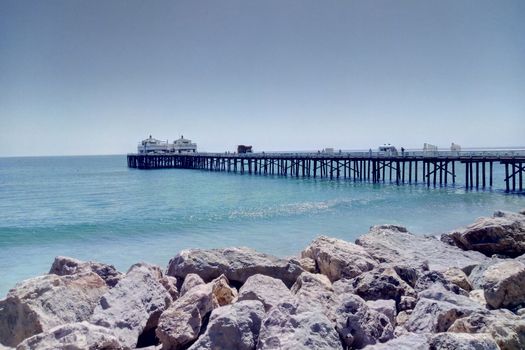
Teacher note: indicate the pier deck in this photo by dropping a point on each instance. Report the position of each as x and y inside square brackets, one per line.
[431, 168]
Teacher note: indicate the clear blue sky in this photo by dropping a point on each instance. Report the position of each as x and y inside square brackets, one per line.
[95, 77]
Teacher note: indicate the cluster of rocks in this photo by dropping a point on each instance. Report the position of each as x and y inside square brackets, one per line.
[389, 290]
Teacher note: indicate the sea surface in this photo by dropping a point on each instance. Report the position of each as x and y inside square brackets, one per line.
[95, 208]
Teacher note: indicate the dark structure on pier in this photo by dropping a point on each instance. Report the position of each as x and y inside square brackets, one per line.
[438, 168]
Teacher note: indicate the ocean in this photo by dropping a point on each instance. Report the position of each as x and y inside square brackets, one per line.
[95, 208]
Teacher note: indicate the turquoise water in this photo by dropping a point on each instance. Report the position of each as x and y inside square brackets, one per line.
[96, 208]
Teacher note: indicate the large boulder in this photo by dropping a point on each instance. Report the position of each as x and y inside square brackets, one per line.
[337, 259]
[507, 329]
[286, 328]
[234, 326]
[394, 244]
[358, 325]
[462, 341]
[314, 291]
[133, 307]
[73, 336]
[379, 283]
[63, 265]
[503, 233]
[269, 291]
[503, 282]
[437, 309]
[237, 264]
[182, 322]
[39, 304]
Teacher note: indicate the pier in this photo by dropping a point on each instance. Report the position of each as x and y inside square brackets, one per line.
[431, 168]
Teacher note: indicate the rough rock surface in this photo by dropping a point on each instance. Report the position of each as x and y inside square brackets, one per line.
[313, 291]
[181, 323]
[39, 304]
[134, 305]
[237, 264]
[394, 244]
[507, 329]
[190, 281]
[460, 341]
[233, 326]
[63, 265]
[285, 328]
[408, 341]
[437, 309]
[503, 233]
[269, 291]
[73, 336]
[337, 259]
[379, 283]
[386, 307]
[221, 290]
[458, 277]
[358, 325]
[503, 284]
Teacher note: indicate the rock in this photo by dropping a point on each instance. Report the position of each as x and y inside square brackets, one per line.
[394, 244]
[460, 341]
[285, 328]
[437, 309]
[379, 283]
[269, 291]
[386, 307]
[503, 233]
[358, 325]
[478, 295]
[504, 284]
[80, 335]
[507, 329]
[433, 279]
[338, 259]
[181, 323]
[134, 305]
[223, 293]
[39, 304]
[457, 277]
[170, 284]
[307, 264]
[402, 317]
[233, 326]
[237, 264]
[190, 281]
[408, 341]
[314, 291]
[406, 303]
[64, 266]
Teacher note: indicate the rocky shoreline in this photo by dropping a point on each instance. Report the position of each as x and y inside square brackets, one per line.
[388, 290]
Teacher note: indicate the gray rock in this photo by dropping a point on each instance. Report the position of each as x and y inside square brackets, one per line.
[504, 284]
[285, 328]
[269, 291]
[237, 264]
[432, 279]
[406, 303]
[73, 336]
[507, 329]
[462, 341]
[233, 326]
[478, 295]
[458, 277]
[63, 265]
[437, 309]
[503, 233]
[337, 259]
[394, 244]
[379, 283]
[39, 304]
[191, 280]
[170, 284]
[358, 325]
[409, 341]
[386, 307]
[314, 291]
[134, 305]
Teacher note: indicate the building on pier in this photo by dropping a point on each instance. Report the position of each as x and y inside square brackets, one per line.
[155, 146]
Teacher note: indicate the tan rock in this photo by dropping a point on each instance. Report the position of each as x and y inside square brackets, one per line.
[458, 277]
[269, 291]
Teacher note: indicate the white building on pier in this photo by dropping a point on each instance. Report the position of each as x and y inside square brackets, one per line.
[153, 145]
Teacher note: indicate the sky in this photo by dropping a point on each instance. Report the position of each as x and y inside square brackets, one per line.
[97, 76]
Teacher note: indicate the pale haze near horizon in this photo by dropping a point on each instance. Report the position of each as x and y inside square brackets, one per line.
[96, 77]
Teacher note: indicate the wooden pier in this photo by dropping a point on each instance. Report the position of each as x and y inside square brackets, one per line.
[435, 169]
